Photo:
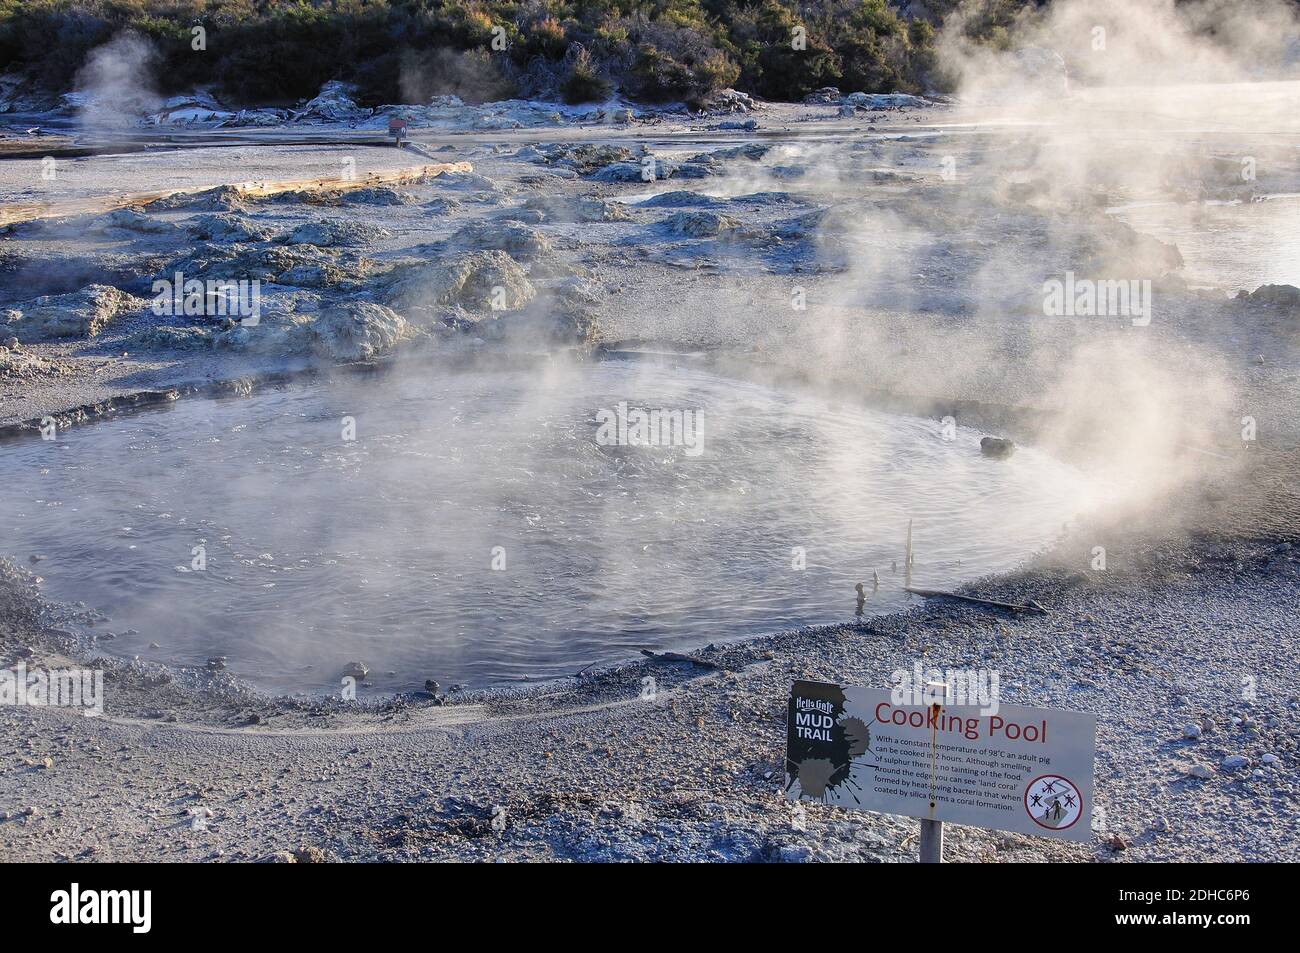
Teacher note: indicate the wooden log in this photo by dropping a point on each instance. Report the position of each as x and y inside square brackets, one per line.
[31, 211]
[677, 657]
[1030, 606]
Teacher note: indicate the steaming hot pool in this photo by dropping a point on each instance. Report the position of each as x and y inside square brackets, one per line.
[475, 531]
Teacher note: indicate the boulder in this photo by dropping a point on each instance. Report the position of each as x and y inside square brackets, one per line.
[378, 195]
[997, 447]
[881, 101]
[221, 198]
[699, 223]
[81, 313]
[682, 199]
[132, 220]
[558, 208]
[826, 96]
[167, 338]
[334, 103]
[356, 330]
[753, 152]
[474, 282]
[283, 264]
[1278, 297]
[542, 326]
[197, 107]
[730, 101]
[582, 159]
[17, 363]
[226, 228]
[628, 172]
[277, 333]
[328, 233]
[516, 239]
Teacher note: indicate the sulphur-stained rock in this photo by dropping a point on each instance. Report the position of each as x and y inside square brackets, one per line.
[583, 158]
[294, 265]
[378, 195]
[133, 220]
[518, 240]
[282, 333]
[226, 228]
[356, 330]
[542, 325]
[166, 337]
[334, 103]
[328, 233]
[579, 209]
[18, 364]
[81, 313]
[479, 281]
[698, 223]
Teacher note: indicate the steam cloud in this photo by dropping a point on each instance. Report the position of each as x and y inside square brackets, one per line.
[116, 84]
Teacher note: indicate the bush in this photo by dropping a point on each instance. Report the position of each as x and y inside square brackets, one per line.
[583, 83]
[276, 52]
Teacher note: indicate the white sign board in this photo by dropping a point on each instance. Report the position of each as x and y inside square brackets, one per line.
[1008, 767]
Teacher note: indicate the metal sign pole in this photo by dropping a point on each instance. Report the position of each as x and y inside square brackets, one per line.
[931, 841]
[931, 845]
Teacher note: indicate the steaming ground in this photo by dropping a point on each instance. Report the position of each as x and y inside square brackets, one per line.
[921, 281]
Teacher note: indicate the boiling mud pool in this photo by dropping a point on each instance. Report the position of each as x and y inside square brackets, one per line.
[477, 530]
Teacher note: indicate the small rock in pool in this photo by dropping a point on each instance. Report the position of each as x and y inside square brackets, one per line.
[431, 686]
[999, 447]
[355, 670]
[217, 662]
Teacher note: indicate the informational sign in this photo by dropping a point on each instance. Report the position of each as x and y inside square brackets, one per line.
[1008, 767]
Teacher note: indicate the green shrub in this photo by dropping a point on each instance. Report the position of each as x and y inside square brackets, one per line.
[583, 83]
[278, 52]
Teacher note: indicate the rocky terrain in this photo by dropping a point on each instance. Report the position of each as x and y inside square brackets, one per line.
[844, 253]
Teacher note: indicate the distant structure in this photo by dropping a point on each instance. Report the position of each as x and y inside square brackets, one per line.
[397, 129]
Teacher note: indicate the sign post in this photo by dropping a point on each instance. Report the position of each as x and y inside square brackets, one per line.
[931, 841]
[1006, 767]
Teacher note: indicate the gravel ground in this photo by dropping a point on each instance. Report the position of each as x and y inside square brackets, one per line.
[1191, 623]
[589, 771]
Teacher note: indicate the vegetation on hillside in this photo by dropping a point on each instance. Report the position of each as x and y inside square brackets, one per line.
[408, 50]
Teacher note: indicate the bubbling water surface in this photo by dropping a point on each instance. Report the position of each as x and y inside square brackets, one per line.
[476, 530]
